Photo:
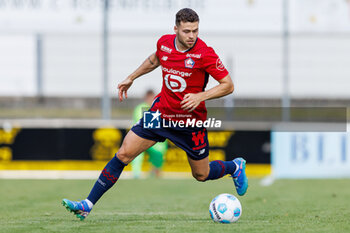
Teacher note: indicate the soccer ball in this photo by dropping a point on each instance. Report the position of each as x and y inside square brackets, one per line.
[225, 208]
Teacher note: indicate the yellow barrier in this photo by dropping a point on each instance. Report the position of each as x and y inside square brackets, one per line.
[253, 170]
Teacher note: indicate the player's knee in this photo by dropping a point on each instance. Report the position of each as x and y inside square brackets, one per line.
[200, 176]
[123, 156]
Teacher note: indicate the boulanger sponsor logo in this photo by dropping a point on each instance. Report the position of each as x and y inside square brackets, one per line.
[165, 49]
[219, 65]
[152, 120]
[176, 72]
[175, 83]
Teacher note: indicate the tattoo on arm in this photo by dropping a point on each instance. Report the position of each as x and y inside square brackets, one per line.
[151, 61]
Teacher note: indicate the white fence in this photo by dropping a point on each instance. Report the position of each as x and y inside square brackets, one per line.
[72, 64]
[246, 34]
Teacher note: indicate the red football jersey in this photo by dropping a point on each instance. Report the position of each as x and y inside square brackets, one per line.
[185, 72]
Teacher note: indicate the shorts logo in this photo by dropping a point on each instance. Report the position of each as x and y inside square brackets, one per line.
[189, 63]
[201, 151]
[166, 49]
[199, 138]
[219, 65]
[151, 120]
[175, 83]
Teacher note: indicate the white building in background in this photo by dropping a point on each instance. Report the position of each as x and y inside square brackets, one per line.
[247, 34]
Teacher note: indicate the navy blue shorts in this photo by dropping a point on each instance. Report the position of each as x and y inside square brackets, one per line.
[193, 140]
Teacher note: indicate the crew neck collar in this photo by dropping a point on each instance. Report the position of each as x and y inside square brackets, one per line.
[184, 51]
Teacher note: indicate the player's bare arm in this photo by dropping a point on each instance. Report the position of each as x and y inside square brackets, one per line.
[192, 100]
[147, 66]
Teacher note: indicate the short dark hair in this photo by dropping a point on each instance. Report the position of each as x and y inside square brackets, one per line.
[186, 15]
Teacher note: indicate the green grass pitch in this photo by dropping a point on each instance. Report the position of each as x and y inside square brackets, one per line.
[159, 205]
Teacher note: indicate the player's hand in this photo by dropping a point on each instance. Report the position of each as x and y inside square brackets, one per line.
[191, 101]
[123, 88]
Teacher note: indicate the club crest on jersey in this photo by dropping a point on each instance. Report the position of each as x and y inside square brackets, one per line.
[189, 63]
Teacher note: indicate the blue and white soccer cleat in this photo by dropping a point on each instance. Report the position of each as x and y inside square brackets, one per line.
[79, 208]
[239, 177]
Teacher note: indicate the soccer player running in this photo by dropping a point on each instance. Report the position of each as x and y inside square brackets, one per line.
[186, 63]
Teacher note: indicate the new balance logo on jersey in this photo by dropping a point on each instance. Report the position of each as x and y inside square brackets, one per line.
[166, 49]
[164, 58]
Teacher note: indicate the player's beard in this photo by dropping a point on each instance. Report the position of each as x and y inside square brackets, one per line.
[183, 43]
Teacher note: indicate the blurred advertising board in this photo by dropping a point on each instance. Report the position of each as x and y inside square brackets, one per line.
[91, 148]
[310, 154]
